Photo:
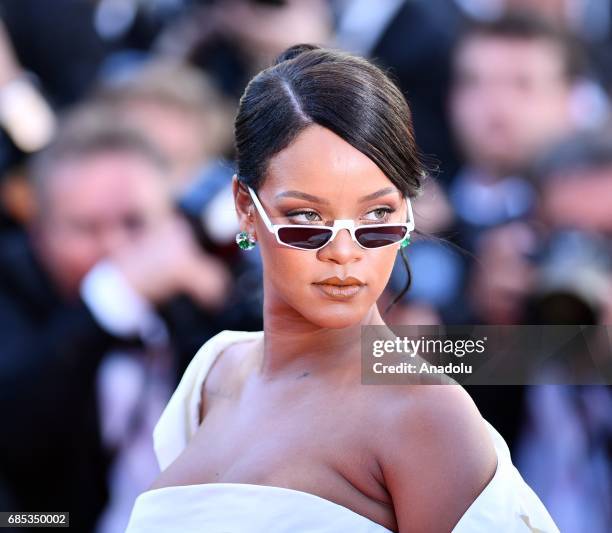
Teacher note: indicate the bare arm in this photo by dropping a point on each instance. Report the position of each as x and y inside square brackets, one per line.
[437, 458]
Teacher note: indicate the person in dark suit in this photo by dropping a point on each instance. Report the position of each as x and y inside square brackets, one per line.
[50, 453]
[413, 40]
[108, 265]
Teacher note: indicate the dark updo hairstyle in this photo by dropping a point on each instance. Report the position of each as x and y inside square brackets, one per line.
[341, 92]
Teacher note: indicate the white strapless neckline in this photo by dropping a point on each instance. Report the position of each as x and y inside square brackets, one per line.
[266, 508]
[506, 505]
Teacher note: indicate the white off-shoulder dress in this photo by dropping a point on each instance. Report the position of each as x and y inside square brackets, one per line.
[506, 505]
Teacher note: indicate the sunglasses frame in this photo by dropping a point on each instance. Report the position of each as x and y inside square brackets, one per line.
[339, 224]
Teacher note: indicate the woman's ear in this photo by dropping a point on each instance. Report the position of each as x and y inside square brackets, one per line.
[244, 205]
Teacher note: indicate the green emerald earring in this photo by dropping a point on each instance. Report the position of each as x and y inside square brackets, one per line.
[405, 242]
[245, 241]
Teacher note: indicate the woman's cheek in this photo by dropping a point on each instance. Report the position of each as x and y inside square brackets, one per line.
[290, 270]
[383, 266]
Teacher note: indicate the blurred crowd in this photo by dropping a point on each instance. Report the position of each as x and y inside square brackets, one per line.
[117, 223]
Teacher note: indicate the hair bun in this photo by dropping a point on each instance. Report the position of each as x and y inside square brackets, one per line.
[293, 51]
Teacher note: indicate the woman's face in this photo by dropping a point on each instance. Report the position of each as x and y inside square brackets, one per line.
[321, 164]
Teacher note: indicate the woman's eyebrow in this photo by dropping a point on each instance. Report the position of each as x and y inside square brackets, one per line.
[305, 196]
[377, 194]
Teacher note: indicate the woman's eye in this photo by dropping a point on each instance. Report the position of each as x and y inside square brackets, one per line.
[306, 216]
[376, 215]
[380, 214]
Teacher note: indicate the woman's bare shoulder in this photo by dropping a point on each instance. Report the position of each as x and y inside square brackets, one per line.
[436, 454]
[230, 364]
[226, 372]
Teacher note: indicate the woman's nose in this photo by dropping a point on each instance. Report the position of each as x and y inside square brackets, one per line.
[342, 249]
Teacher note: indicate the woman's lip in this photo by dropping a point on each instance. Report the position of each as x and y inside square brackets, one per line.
[338, 285]
[339, 291]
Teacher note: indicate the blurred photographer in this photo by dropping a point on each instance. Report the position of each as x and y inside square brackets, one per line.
[178, 109]
[575, 182]
[102, 305]
[232, 39]
[553, 267]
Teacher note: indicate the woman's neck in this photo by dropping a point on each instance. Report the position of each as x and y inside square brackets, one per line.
[293, 346]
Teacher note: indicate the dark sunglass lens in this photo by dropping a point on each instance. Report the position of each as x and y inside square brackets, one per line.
[375, 237]
[306, 238]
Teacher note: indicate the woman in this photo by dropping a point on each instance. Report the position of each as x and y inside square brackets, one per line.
[273, 431]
